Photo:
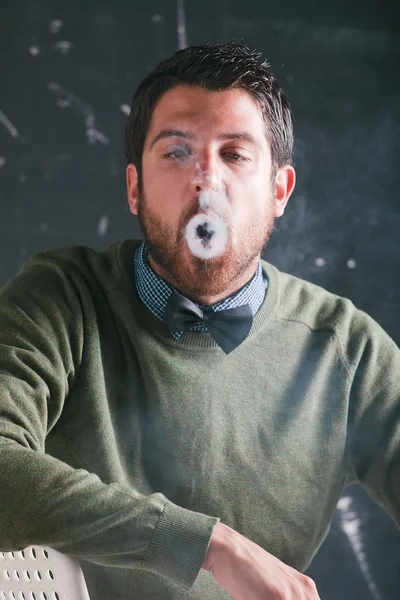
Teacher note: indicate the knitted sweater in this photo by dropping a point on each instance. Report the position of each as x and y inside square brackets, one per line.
[123, 446]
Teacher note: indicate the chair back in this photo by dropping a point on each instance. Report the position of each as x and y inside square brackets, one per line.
[40, 573]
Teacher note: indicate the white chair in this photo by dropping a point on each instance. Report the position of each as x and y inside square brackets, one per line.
[41, 573]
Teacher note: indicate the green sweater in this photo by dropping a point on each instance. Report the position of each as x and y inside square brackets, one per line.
[123, 447]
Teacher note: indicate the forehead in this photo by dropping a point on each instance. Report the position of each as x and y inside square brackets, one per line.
[195, 107]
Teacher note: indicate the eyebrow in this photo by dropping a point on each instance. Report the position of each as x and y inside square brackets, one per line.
[240, 135]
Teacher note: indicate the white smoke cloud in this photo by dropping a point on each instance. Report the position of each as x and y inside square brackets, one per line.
[207, 232]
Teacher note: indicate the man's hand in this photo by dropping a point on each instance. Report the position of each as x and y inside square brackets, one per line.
[248, 572]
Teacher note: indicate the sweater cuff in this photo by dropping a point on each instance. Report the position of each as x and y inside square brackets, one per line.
[179, 544]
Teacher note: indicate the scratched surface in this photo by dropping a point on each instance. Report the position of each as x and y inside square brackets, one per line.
[67, 75]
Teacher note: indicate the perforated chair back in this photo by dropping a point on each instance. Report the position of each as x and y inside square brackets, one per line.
[41, 573]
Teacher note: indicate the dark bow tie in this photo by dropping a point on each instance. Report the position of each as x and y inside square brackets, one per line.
[228, 327]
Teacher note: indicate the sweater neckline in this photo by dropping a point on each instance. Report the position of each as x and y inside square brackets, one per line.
[191, 340]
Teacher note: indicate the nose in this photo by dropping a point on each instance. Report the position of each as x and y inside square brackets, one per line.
[207, 177]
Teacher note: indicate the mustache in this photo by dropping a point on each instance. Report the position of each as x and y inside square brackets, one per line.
[210, 202]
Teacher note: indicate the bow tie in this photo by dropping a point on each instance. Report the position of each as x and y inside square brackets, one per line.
[228, 327]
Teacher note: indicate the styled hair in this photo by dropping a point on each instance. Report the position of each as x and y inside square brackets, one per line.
[214, 67]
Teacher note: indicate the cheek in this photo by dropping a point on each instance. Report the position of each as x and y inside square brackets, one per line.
[245, 191]
[161, 181]
[251, 200]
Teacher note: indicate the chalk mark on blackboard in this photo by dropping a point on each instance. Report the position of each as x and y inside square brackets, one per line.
[102, 226]
[34, 50]
[3, 161]
[159, 45]
[63, 102]
[125, 108]
[55, 25]
[12, 130]
[64, 46]
[350, 525]
[351, 263]
[182, 37]
[68, 98]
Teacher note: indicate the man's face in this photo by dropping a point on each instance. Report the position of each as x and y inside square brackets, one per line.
[238, 168]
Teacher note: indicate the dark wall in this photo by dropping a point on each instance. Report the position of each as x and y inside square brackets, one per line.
[68, 71]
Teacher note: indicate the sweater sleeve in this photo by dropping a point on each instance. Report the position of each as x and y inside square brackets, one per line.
[374, 412]
[45, 501]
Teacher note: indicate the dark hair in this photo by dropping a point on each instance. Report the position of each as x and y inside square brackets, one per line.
[214, 67]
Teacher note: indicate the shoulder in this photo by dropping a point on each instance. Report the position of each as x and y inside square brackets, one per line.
[321, 310]
[81, 266]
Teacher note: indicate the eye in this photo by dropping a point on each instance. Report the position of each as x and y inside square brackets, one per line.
[237, 157]
[178, 153]
[185, 151]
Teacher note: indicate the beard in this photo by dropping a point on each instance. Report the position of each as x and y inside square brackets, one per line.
[169, 255]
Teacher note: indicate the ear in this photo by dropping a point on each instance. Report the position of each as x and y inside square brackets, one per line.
[132, 188]
[285, 181]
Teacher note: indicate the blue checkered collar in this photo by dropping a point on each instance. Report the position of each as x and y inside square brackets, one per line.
[155, 292]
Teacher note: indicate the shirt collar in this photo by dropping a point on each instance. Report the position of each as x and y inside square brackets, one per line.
[155, 292]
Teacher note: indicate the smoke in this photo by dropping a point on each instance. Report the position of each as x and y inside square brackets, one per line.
[207, 232]
[350, 523]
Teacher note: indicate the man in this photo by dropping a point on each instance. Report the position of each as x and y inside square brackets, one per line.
[182, 425]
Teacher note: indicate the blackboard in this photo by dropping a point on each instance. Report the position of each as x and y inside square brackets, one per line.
[68, 71]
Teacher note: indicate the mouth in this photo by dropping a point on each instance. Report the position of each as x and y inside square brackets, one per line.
[204, 233]
[209, 213]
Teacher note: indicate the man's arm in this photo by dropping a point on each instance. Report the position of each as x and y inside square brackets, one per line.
[373, 443]
[45, 501]
[373, 446]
